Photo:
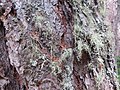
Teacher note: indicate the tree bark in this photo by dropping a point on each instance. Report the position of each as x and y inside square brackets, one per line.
[56, 45]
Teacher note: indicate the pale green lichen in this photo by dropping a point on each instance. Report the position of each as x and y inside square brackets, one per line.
[88, 34]
[33, 62]
[98, 71]
[66, 53]
[56, 69]
[92, 34]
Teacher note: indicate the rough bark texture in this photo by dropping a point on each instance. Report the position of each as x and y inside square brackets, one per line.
[56, 45]
[117, 29]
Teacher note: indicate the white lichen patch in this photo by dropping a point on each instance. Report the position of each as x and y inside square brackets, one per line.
[33, 62]
[67, 53]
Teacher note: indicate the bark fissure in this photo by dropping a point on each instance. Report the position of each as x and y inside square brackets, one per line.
[56, 45]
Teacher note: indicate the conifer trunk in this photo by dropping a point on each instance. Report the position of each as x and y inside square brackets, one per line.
[57, 45]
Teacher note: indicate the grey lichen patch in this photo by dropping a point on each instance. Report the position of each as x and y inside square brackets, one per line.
[43, 43]
[98, 69]
[56, 69]
[33, 62]
[41, 19]
[66, 53]
[90, 31]
[93, 35]
[68, 84]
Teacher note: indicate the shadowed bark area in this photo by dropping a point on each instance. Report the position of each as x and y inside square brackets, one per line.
[8, 74]
[56, 45]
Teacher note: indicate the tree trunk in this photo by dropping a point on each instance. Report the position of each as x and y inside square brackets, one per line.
[56, 45]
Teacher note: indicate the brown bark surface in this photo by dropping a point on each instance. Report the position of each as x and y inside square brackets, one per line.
[56, 45]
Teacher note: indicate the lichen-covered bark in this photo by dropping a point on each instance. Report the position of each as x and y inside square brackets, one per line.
[57, 45]
[117, 29]
[95, 41]
[9, 78]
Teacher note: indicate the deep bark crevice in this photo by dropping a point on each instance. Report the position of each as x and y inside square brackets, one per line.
[55, 47]
[7, 71]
